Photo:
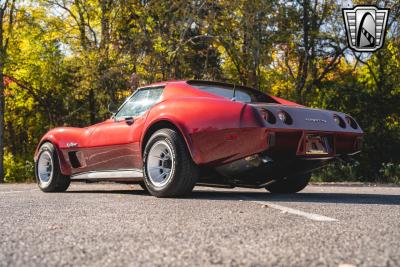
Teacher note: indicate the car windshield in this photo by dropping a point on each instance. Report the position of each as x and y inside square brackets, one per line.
[141, 101]
[242, 94]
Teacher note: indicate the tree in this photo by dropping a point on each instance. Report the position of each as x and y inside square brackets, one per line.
[66, 59]
[7, 9]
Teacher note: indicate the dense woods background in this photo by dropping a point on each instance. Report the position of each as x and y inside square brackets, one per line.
[63, 61]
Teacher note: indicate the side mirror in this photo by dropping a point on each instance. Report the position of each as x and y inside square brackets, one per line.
[112, 108]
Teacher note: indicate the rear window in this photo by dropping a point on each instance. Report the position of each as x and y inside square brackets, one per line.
[242, 94]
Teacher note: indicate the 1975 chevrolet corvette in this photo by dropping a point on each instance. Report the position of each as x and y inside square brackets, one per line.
[170, 136]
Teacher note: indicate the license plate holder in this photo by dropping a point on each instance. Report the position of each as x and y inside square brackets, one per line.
[317, 145]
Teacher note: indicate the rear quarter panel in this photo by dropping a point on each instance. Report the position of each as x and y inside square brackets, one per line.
[215, 130]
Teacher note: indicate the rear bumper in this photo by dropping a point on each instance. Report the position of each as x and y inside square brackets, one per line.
[293, 137]
[292, 144]
[219, 147]
[284, 155]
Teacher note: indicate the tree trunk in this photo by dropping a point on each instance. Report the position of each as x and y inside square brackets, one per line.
[105, 26]
[92, 106]
[3, 56]
[2, 104]
[304, 62]
[2, 109]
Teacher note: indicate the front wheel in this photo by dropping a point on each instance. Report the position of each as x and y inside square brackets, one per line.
[47, 170]
[168, 168]
[290, 184]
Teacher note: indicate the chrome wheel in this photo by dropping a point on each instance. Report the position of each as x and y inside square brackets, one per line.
[45, 167]
[160, 163]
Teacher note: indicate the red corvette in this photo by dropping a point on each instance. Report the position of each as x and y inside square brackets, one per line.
[170, 136]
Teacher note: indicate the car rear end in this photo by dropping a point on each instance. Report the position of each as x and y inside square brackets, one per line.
[266, 137]
[309, 133]
[290, 141]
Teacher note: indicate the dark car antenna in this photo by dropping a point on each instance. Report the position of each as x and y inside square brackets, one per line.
[234, 93]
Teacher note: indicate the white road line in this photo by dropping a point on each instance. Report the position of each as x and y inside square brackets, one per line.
[16, 191]
[308, 215]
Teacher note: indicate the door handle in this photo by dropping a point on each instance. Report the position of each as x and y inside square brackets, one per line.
[129, 120]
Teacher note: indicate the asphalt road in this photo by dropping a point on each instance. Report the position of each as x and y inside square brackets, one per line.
[119, 225]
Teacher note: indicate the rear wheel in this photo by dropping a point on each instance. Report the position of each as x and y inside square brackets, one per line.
[290, 184]
[168, 168]
[47, 170]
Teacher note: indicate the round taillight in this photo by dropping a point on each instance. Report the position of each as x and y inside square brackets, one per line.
[268, 116]
[339, 121]
[350, 121]
[264, 114]
[284, 117]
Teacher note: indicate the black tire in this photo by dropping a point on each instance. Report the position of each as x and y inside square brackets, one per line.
[57, 182]
[143, 186]
[290, 185]
[184, 172]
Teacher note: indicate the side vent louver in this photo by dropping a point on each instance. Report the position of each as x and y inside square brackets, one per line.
[74, 159]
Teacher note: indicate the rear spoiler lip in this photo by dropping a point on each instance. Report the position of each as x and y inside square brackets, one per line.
[284, 101]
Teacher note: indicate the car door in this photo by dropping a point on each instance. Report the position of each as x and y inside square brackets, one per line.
[114, 144]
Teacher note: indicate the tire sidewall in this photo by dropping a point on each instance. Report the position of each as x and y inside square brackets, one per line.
[46, 147]
[161, 136]
[291, 184]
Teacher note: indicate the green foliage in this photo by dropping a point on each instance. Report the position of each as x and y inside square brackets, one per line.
[344, 172]
[338, 172]
[17, 169]
[390, 173]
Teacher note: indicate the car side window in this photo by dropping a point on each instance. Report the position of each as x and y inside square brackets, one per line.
[140, 102]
